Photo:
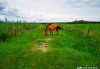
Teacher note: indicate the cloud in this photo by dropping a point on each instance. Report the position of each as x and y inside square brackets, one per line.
[3, 5]
[7, 10]
[10, 12]
[83, 3]
[50, 10]
[13, 13]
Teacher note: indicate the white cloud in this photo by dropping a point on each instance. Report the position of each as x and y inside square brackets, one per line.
[51, 10]
[83, 3]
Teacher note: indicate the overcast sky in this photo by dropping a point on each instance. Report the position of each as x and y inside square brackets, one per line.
[50, 10]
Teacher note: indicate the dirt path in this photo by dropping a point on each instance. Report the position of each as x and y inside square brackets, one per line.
[42, 42]
[42, 46]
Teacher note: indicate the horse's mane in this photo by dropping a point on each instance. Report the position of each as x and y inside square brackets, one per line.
[48, 25]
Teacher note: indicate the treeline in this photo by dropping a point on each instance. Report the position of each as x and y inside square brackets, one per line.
[85, 22]
[79, 22]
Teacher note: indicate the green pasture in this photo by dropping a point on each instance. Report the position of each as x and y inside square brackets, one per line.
[73, 47]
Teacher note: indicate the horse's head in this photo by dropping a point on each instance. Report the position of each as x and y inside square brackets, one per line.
[46, 32]
[58, 27]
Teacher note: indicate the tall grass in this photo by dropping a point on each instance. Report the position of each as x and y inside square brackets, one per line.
[13, 29]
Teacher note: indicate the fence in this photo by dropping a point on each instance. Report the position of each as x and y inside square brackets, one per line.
[9, 29]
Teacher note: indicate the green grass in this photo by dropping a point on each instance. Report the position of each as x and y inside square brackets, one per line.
[68, 50]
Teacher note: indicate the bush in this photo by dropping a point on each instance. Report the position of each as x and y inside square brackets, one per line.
[3, 36]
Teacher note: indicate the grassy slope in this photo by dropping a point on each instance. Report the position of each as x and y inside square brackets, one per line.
[64, 51]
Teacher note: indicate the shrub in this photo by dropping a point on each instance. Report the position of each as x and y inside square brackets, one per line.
[3, 36]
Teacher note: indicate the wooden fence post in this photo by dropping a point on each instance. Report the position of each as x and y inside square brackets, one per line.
[88, 32]
[14, 29]
[6, 25]
[19, 28]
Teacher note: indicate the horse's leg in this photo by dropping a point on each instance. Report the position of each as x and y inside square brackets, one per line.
[51, 33]
[57, 31]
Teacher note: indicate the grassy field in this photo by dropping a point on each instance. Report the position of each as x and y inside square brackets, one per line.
[72, 48]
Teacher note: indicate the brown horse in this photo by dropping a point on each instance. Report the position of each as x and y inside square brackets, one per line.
[51, 27]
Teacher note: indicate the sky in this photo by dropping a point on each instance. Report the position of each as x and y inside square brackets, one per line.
[50, 10]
